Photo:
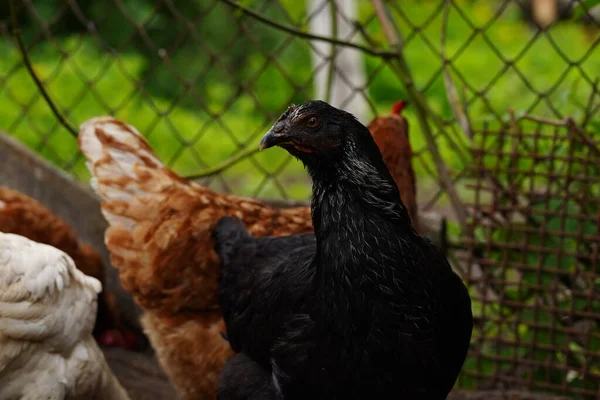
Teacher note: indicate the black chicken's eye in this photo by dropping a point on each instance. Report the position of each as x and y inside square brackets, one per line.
[313, 122]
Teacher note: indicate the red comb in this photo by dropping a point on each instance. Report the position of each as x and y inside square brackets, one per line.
[398, 107]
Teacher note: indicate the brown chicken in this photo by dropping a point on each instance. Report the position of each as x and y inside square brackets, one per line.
[22, 215]
[391, 135]
[159, 237]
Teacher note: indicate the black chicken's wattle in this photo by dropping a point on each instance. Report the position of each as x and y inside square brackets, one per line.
[364, 308]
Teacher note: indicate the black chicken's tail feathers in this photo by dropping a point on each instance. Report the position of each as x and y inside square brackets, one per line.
[227, 234]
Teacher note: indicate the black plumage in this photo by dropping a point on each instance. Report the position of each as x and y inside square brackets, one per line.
[364, 308]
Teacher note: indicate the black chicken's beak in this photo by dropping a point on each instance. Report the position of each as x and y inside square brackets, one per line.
[275, 136]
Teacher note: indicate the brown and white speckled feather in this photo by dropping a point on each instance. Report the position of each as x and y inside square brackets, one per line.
[47, 312]
[160, 239]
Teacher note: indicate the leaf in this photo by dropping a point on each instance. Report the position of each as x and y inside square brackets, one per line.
[583, 8]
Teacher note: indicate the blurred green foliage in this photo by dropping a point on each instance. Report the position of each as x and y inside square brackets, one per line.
[246, 79]
[583, 7]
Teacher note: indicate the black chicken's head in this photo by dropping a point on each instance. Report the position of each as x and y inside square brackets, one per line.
[314, 129]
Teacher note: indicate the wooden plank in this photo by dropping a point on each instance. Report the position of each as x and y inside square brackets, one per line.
[23, 170]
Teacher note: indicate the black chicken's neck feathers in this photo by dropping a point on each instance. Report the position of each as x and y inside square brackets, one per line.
[356, 176]
[355, 204]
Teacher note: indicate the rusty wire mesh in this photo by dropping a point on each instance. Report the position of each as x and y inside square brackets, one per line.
[535, 234]
[202, 80]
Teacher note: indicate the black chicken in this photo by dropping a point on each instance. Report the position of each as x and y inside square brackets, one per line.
[363, 309]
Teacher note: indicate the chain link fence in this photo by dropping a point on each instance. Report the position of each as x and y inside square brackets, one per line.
[503, 117]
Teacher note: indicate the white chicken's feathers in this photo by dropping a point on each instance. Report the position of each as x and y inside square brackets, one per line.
[34, 270]
[47, 313]
[34, 301]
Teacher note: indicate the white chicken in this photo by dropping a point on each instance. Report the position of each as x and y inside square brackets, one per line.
[47, 313]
